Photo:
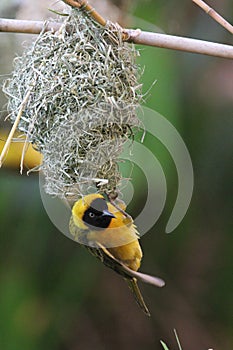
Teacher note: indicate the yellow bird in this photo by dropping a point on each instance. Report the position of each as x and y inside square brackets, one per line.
[31, 159]
[109, 234]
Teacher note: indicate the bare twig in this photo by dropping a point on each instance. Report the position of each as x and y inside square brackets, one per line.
[135, 36]
[82, 4]
[180, 43]
[27, 27]
[216, 16]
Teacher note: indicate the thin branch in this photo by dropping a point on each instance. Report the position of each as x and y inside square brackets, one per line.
[27, 27]
[82, 4]
[134, 36]
[180, 43]
[215, 15]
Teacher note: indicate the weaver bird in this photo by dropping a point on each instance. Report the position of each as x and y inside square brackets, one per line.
[110, 235]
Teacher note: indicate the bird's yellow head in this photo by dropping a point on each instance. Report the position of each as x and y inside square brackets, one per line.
[92, 212]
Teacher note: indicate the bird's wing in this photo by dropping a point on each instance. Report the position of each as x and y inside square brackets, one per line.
[109, 260]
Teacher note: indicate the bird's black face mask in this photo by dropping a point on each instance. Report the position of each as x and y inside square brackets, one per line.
[97, 215]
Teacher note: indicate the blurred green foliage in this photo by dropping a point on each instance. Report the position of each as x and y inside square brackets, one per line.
[53, 295]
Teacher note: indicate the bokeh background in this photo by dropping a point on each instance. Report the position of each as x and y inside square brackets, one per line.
[55, 296]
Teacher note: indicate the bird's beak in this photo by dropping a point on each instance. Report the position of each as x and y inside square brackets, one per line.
[107, 213]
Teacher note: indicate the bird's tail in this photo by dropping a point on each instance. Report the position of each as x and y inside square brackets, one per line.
[133, 285]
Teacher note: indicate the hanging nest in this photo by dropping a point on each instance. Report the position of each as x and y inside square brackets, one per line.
[82, 104]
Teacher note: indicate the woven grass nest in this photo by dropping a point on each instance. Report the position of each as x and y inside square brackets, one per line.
[84, 92]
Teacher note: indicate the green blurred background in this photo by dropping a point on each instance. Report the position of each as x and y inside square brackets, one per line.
[53, 294]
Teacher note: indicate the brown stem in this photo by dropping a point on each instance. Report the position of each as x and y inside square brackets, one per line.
[27, 27]
[134, 36]
[215, 15]
[179, 43]
[82, 4]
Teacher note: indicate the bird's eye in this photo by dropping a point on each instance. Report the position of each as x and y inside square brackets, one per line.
[91, 215]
